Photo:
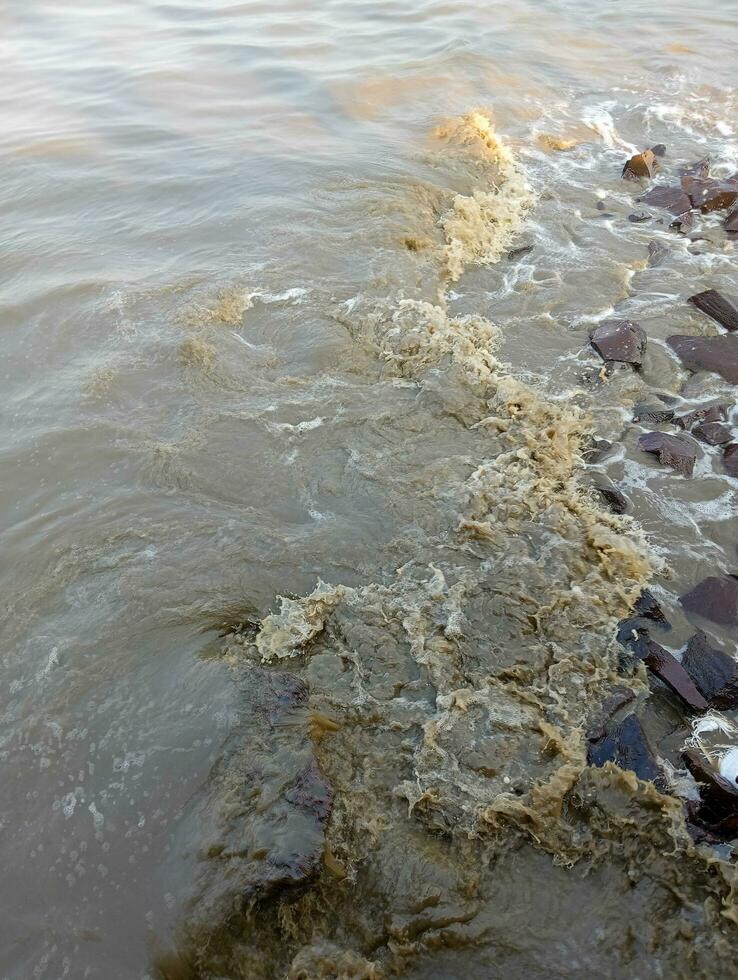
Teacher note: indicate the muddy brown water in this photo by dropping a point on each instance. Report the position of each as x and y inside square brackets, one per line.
[306, 606]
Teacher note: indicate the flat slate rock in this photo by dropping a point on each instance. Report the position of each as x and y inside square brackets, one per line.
[731, 222]
[673, 199]
[625, 743]
[718, 354]
[679, 452]
[715, 598]
[619, 340]
[667, 668]
[718, 307]
[713, 433]
[715, 674]
[730, 459]
[641, 165]
[657, 252]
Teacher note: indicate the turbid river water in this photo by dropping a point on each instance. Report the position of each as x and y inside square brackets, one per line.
[307, 605]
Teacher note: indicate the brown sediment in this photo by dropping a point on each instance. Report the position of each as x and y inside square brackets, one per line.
[426, 729]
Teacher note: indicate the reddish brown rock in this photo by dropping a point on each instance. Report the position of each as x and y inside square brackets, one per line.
[672, 199]
[678, 452]
[719, 354]
[641, 165]
[713, 433]
[714, 598]
[667, 668]
[717, 307]
[710, 195]
[710, 413]
[714, 673]
[619, 340]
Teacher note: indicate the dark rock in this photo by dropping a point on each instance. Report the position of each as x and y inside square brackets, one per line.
[626, 745]
[619, 697]
[639, 217]
[714, 673]
[652, 414]
[719, 354]
[730, 459]
[659, 150]
[600, 205]
[596, 451]
[718, 794]
[731, 222]
[656, 252]
[672, 199]
[714, 433]
[716, 306]
[699, 169]
[711, 413]
[667, 668]
[710, 195]
[678, 452]
[516, 253]
[715, 598]
[647, 606]
[619, 340]
[641, 165]
[615, 500]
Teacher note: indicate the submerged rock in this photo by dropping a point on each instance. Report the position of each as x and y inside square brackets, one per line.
[701, 168]
[652, 414]
[719, 796]
[672, 199]
[625, 743]
[656, 252]
[619, 340]
[715, 598]
[679, 452]
[714, 673]
[713, 433]
[639, 217]
[730, 459]
[716, 306]
[613, 498]
[641, 165]
[731, 222]
[719, 354]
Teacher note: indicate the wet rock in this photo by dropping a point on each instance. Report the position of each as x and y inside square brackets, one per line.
[639, 217]
[713, 433]
[701, 168]
[672, 199]
[647, 606]
[714, 673]
[652, 414]
[711, 413]
[678, 452]
[716, 306]
[619, 697]
[597, 450]
[619, 340]
[710, 195]
[613, 498]
[730, 459]
[659, 150]
[719, 354]
[719, 795]
[683, 222]
[667, 668]
[641, 165]
[731, 222]
[656, 253]
[715, 598]
[516, 253]
[625, 743]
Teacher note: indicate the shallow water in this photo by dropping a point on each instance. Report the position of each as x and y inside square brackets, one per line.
[256, 288]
